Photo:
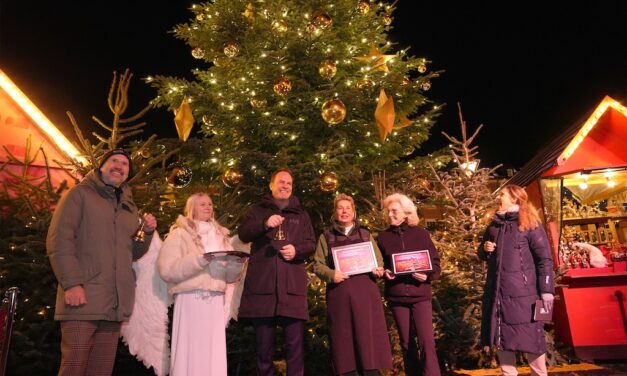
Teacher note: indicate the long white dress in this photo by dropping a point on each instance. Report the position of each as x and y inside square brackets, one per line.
[198, 327]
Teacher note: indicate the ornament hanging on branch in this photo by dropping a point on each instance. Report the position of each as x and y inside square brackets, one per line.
[322, 21]
[184, 120]
[231, 177]
[231, 49]
[384, 115]
[425, 85]
[333, 111]
[328, 182]
[178, 175]
[249, 12]
[198, 53]
[376, 60]
[387, 20]
[422, 67]
[258, 103]
[363, 6]
[282, 86]
[327, 69]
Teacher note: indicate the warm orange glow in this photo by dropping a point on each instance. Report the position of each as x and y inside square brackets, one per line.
[39, 118]
[588, 125]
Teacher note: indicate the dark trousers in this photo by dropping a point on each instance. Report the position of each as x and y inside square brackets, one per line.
[88, 347]
[415, 328]
[265, 332]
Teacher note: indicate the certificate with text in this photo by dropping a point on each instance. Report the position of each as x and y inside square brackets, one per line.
[354, 258]
[411, 262]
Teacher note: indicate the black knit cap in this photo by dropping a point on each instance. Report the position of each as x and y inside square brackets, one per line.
[118, 151]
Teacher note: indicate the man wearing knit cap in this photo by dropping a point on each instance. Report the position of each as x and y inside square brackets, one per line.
[91, 247]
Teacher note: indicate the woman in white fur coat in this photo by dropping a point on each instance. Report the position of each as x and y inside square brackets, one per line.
[205, 288]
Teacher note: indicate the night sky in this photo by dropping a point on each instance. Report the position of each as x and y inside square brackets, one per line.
[526, 70]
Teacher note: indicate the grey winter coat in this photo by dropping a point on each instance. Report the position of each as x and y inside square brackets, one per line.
[90, 243]
[519, 270]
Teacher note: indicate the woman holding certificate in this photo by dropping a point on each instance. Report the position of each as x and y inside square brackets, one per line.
[204, 285]
[411, 262]
[519, 282]
[347, 259]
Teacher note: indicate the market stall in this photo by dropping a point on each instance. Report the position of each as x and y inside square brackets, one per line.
[580, 182]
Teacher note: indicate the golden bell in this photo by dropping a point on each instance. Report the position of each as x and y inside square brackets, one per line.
[280, 235]
[140, 235]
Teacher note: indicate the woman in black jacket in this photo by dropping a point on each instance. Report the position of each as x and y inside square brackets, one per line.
[410, 295]
[520, 271]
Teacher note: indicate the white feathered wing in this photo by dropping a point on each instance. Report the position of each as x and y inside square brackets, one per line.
[146, 332]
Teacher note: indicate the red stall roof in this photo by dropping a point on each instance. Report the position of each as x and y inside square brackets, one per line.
[596, 142]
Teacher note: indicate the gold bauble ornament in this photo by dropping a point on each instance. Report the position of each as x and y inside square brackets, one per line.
[206, 120]
[328, 182]
[200, 16]
[422, 67]
[279, 27]
[198, 53]
[231, 49]
[363, 7]
[231, 177]
[322, 21]
[258, 103]
[178, 175]
[405, 81]
[333, 111]
[327, 69]
[387, 20]
[282, 86]
[425, 85]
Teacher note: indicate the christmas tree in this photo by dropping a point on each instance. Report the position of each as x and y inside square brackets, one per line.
[315, 86]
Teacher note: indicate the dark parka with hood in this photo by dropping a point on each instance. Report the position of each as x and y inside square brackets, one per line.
[273, 286]
[519, 270]
[90, 243]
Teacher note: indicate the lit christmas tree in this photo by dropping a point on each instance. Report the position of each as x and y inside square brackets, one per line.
[315, 86]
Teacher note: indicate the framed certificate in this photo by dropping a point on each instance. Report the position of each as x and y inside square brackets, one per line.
[354, 258]
[411, 262]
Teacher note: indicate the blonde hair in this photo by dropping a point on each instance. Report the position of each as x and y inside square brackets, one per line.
[528, 217]
[344, 197]
[406, 204]
[191, 203]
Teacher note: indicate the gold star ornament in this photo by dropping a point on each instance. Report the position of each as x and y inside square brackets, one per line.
[184, 120]
[376, 59]
[384, 115]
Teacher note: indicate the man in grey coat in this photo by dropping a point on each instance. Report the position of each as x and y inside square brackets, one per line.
[91, 248]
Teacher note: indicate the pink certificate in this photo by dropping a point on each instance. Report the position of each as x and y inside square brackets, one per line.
[355, 258]
[411, 262]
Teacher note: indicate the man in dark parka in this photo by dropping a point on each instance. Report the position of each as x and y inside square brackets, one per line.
[275, 289]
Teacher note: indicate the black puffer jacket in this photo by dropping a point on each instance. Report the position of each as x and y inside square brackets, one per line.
[519, 270]
[405, 238]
